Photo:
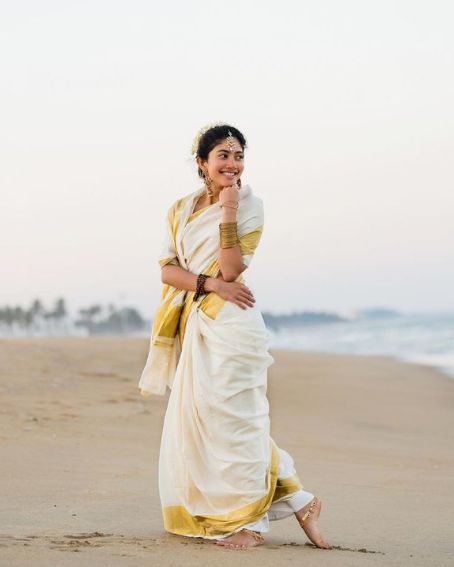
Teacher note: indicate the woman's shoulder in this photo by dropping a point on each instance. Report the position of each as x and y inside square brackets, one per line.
[177, 206]
[251, 200]
[250, 212]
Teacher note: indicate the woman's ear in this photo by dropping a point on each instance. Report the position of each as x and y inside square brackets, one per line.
[202, 166]
[200, 162]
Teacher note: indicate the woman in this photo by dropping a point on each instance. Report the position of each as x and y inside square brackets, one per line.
[221, 475]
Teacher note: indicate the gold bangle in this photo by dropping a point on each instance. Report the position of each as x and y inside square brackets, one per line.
[229, 228]
[235, 204]
[228, 234]
[228, 231]
[229, 243]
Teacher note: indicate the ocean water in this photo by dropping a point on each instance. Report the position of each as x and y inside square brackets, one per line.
[421, 338]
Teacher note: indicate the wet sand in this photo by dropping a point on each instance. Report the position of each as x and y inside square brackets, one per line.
[371, 436]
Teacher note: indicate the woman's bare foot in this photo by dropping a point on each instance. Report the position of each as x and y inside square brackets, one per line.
[241, 540]
[309, 524]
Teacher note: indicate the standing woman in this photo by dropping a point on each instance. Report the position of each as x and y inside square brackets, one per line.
[221, 476]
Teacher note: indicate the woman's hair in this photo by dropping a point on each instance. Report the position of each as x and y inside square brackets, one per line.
[214, 136]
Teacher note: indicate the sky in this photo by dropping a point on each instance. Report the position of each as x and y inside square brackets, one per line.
[348, 115]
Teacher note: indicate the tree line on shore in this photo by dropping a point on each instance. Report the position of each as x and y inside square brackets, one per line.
[96, 319]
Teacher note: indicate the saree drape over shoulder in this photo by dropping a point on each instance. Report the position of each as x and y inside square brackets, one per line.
[219, 469]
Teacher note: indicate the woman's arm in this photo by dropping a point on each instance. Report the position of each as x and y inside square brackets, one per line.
[230, 259]
[235, 292]
[180, 278]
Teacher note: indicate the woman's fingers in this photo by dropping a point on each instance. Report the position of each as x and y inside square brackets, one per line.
[244, 300]
[247, 291]
[242, 296]
[247, 299]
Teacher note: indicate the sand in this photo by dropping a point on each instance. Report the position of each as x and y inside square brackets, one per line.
[371, 436]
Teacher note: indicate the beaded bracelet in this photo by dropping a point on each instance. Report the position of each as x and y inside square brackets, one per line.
[200, 289]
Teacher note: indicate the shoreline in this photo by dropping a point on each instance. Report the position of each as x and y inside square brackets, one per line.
[444, 371]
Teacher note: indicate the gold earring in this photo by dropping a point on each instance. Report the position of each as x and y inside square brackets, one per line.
[208, 184]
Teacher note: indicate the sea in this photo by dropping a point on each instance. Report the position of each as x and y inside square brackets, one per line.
[424, 338]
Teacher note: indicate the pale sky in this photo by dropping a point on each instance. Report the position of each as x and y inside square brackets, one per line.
[347, 108]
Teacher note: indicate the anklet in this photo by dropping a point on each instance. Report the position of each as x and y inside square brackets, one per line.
[257, 535]
[309, 512]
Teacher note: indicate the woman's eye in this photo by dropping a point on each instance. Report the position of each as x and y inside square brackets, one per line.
[226, 155]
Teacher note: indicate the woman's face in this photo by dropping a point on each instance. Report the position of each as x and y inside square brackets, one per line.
[224, 165]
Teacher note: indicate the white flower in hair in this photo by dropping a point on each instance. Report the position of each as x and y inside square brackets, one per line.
[201, 132]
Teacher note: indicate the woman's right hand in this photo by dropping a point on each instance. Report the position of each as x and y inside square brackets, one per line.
[236, 292]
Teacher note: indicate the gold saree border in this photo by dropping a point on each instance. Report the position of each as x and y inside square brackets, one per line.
[211, 303]
[166, 321]
[286, 486]
[250, 241]
[179, 521]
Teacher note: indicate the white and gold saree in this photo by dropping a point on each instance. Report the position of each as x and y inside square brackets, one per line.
[219, 469]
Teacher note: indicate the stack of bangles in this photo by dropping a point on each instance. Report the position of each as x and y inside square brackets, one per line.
[228, 230]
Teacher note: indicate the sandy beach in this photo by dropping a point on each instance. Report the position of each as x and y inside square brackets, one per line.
[371, 436]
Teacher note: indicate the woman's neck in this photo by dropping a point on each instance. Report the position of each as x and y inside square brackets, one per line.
[215, 196]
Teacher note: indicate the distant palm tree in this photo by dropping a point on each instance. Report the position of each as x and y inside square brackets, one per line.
[35, 315]
[20, 317]
[36, 308]
[60, 308]
[7, 316]
[95, 310]
[60, 314]
[88, 316]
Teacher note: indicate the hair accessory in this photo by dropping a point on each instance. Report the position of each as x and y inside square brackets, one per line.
[230, 141]
[201, 132]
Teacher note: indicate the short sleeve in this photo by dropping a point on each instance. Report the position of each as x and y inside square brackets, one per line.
[250, 230]
[169, 253]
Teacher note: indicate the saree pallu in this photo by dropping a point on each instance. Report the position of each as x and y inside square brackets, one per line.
[219, 469]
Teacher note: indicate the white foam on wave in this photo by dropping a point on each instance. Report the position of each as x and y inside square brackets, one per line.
[424, 339]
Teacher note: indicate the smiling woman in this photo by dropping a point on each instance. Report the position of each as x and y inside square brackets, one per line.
[221, 475]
